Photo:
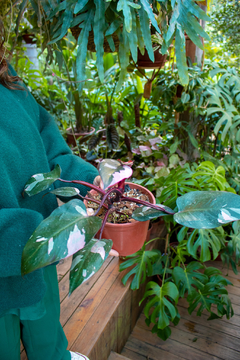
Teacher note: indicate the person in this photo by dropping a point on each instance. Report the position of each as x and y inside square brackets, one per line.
[30, 143]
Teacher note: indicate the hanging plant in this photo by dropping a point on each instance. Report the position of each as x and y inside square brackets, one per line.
[122, 26]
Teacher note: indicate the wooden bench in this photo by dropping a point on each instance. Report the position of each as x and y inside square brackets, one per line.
[101, 313]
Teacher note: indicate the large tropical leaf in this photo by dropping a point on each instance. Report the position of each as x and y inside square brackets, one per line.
[143, 261]
[188, 278]
[164, 309]
[67, 230]
[88, 261]
[41, 182]
[207, 209]
[209, 294]
[205, 243]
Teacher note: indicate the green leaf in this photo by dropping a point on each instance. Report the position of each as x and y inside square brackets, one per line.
[164, 310]
[185, 97]
[98, 29]
[144, 213]
[148, 9]
[88, 261]
[189, 278]
[143, 266]
[196, 10]
[124, 6]
[123, 57]
[41, 182]
[67, 230]
[66, 191]
[140, 36]
[132, 38]
[112, 172]
[207, 209]
[80, 5]
[67, 19]
[193, 140]
[145, 28]
[82, 42]
[181, 56]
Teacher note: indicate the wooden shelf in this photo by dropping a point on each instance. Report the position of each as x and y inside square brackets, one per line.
[101, 313]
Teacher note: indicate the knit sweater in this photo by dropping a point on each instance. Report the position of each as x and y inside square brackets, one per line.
[30, 143]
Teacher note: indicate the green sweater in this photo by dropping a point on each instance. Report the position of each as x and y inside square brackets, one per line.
[30, 143]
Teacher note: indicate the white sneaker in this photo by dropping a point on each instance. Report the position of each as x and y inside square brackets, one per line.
[78, 356]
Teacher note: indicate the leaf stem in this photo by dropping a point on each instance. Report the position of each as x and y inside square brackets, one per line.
[153, 206]
[101, 191]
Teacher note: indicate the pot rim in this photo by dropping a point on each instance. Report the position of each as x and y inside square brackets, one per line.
[69, 132]
[135, 221]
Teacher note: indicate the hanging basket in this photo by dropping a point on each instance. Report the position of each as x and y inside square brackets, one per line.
[91, 45]
[144, 61]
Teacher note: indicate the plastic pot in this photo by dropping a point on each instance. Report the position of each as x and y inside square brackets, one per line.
[83, 136]
[128, 237]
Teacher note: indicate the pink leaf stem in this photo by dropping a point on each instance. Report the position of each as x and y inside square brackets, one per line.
[101, 191]
[145, 203]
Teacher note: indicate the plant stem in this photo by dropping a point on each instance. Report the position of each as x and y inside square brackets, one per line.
[105, 196]
[153, 206]
[85, 184]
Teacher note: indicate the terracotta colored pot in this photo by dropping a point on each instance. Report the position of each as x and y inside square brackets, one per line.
[129, 237]
[84, 136]
[144, 62]
[29, 38]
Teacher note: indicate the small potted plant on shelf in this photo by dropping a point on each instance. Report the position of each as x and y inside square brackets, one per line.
[69, 230]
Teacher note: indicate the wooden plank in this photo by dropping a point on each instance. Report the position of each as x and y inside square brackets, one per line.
[91, 302]
[149, 351]
[63, 267]
[218, 325]
[133, 355]
[124, 320]
[204, 345]
[234, 320]
[178, 344]
[217, 341]
[220, 265]
[93, 334]
[70, 304]
[63, 276]
[116, 356]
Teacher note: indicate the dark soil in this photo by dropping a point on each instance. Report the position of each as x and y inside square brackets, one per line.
[124, 209]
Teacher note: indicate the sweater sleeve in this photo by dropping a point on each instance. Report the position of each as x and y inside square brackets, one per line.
[16, 226]
[58, 152]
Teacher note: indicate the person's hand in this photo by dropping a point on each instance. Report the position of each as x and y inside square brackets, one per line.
[98, 182]
[113, 253]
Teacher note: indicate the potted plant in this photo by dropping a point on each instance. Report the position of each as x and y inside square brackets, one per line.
[119, 26]
[81, 128]
[70, 231]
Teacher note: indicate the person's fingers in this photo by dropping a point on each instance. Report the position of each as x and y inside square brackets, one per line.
[113, 253]
[98, 182]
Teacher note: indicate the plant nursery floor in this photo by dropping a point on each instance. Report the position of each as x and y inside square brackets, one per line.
[102, 319]
[194, 338]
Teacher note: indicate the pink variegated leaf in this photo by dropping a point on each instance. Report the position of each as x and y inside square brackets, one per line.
[154, 141]
[112, 172]
[136, 151]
